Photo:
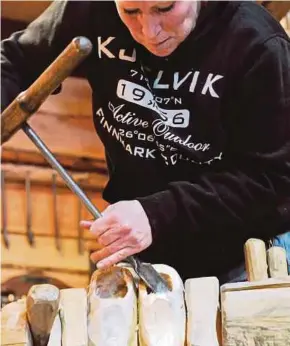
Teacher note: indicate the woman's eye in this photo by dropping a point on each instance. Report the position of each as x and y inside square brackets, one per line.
[166, 9]
[134, 11]
[131, 12]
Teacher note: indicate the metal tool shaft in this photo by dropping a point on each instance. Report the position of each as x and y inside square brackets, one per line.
[61, 171]
[153, 280]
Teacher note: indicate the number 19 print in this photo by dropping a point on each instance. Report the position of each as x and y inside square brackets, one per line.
[141, 96]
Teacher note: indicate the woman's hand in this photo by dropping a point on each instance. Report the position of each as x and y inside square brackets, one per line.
[123, 230]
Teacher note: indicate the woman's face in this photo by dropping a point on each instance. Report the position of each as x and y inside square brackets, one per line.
[160, 26]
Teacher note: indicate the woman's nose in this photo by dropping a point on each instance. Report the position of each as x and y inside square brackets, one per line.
[150, 26]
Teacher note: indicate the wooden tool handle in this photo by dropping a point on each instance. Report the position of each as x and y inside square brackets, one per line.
[256, 259]
[277, 261]
[27, 103]
[42, 306]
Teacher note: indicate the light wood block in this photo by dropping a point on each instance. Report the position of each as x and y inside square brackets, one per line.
[202, 303]
[277, 262]
[256, 259]
[14, 325]
[256, 313]
[73, 315]
[55, 334]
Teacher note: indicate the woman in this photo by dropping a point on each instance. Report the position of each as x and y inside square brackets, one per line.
[191, 101]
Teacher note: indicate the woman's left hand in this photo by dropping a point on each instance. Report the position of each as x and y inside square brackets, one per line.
[122, 231]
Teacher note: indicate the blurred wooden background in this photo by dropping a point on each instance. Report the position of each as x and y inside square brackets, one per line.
[64, 122]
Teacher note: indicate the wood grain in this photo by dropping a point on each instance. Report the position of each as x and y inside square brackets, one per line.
[202, 302]
[14, 326]
[45, 254]
[256, 313]
[277, 262]
[42, 209]
[73, 315]
[256, 259]
[70, 278]
[42, 305]
[73, 136]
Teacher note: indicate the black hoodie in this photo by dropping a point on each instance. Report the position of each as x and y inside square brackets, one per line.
[201, 138]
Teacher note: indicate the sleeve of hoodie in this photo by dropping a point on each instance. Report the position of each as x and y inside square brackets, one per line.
[26, 54]
[248, 192]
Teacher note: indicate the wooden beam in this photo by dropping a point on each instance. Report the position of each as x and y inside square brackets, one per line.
[89, 239]
[39, 272]
[25, 11]
[71, 278]
[278, 9]
[74, 100]
[285, 22]
[70, 136]
[42, 211]
[9, 26]
[65, 123]
[92, 181]
[37, 161]
[44, 254]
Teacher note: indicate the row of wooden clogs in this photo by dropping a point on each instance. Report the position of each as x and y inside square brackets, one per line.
[117, 310]
[114, 311]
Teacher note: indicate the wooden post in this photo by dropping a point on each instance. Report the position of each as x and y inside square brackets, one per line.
[277, 261]
[14, 326]
[202, 302]
[73, 315]
[256, 259]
